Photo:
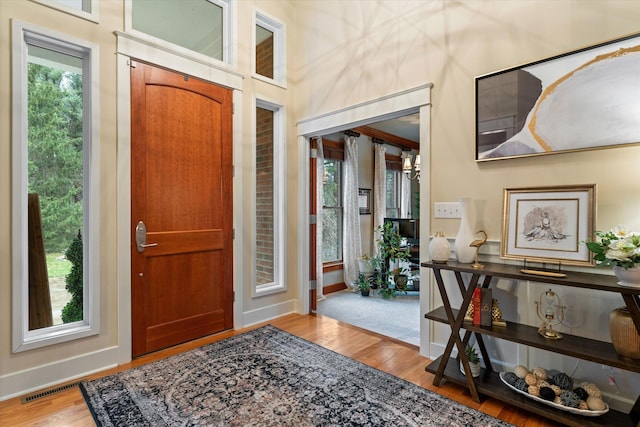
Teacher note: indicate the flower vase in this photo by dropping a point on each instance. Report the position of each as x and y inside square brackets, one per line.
[628, 277]
[465, 253]
[624, 335]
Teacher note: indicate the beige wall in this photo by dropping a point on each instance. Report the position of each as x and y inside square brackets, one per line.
[350, 52]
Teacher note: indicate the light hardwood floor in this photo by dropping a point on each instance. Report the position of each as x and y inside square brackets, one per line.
[67, 408]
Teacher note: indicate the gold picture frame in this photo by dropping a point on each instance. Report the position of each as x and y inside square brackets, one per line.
[549, 224]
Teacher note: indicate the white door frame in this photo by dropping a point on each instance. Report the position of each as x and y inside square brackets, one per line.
[399, 104]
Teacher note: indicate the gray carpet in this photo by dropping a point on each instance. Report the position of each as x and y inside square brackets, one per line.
[397, 317]
[267, 377]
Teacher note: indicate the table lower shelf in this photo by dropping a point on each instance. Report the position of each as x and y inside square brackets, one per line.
[489, 384]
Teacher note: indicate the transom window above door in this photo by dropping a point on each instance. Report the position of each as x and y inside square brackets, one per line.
[201, 26]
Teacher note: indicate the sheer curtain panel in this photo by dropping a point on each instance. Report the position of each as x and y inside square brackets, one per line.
[352, 249]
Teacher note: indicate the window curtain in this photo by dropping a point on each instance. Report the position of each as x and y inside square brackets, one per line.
[351, 245]
[319, 212]
[379, 191]
[405, 196]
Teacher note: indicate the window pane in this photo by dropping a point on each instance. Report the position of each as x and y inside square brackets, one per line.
[264, 52]
[332, 212]
[331, 235]
[193, 24]
[393, 194]
[264, 197]
[55, 187]
[332, 187]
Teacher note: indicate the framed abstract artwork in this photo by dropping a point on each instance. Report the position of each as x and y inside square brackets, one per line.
[548, 224]
[585, 99]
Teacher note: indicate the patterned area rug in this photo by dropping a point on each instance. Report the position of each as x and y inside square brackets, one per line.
[268, 377]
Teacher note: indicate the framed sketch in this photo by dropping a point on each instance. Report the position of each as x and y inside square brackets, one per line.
[364, 201]
[548, 224]
[585, 99]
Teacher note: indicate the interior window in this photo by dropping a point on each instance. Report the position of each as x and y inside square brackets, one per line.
[393, 194]
[197, 25]
[332, 211]
[52, 197]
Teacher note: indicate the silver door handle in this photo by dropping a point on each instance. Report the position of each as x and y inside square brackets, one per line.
[141, 238]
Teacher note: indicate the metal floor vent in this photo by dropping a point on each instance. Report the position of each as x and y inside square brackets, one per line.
[49, 392]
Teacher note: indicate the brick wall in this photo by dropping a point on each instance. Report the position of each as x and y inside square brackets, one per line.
[264, 196]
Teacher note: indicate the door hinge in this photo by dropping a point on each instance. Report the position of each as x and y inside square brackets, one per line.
[132, 64]
[313, 154]
[313, 219]
[233, 234]
[313, 284]
[234, 296]
[233, 108]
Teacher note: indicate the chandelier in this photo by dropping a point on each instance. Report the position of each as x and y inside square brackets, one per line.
[406, 166]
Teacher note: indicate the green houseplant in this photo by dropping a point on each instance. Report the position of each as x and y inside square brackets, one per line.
[390, 251]
[362, 283]
[474, 361]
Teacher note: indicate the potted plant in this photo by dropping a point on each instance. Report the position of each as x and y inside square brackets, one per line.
[620, 249]
[390, 252]
[474, 361]
[362, 283]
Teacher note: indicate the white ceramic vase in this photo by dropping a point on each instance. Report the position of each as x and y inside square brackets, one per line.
[439, 248]
[465, 253]
[628, 277]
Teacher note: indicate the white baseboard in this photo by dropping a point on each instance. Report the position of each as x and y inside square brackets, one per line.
[267, 313]
[51, 374]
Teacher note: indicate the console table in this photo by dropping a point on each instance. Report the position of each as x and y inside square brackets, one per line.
[489, 383]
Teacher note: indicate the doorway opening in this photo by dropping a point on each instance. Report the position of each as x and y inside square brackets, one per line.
[386, 193]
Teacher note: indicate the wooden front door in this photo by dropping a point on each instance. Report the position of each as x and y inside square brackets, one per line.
[181, 201]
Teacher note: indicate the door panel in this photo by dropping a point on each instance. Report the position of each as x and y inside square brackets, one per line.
[182, 288]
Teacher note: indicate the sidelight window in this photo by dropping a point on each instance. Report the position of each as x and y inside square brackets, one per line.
[55, 215]
[269, 199]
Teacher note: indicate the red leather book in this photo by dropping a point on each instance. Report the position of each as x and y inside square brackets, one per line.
[476, 300]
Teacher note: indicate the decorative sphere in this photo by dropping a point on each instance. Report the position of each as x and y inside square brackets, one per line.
[581, 393]
[596, 404]
[534, 390]
[547, 393]
[521, 385]
[439, 248]
[531, 379]
[540, 373]
[563, 381]
[510, 378]
[592, 390]
[521, 371]
[570, 399]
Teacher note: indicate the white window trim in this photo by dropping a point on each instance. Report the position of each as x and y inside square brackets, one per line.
[228, 36]
[279, 199]
[279, 53]
[23, 338]
[93, 16]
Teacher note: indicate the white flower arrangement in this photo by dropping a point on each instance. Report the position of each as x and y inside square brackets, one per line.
[617, 248]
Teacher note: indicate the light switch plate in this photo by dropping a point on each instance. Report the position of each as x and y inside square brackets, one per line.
[447, 210]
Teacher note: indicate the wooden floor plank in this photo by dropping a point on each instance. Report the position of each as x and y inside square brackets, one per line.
[67, 408]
